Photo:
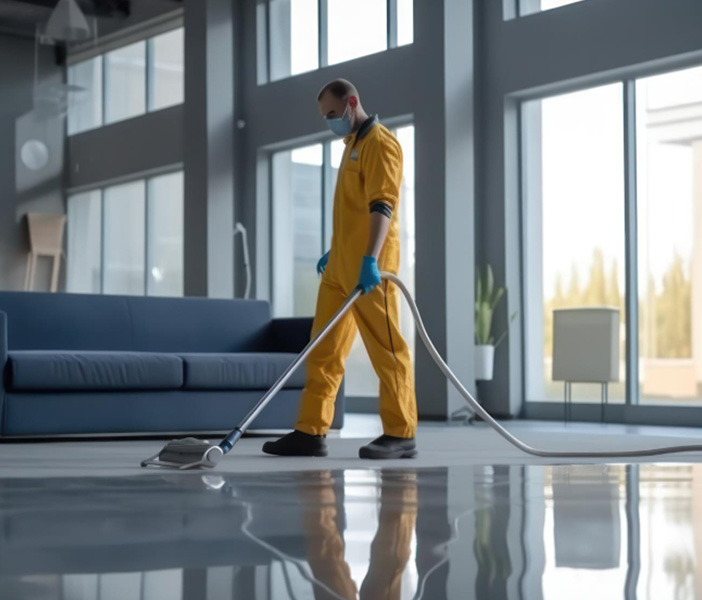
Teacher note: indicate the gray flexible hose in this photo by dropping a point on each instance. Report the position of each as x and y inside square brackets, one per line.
[472, 402]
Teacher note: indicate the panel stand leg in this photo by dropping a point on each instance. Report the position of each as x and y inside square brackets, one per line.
[605, 400]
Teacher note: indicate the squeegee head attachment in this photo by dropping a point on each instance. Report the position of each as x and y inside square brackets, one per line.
[186, 453]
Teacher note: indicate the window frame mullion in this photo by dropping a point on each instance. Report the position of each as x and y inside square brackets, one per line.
[631, 292]
[323, 33]
[149, 74]
[391, 18]
[147, 257]
[102, 240]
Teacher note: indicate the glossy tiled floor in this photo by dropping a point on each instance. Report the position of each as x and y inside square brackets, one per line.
[484, 532]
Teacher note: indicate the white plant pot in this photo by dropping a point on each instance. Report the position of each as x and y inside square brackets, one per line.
[484, 360]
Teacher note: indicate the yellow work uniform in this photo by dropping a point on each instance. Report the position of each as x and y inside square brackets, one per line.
[390, 550]
[370, 172]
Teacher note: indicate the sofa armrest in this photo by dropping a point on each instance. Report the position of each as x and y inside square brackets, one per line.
[3, 363]
[289, 334]
[292, 335]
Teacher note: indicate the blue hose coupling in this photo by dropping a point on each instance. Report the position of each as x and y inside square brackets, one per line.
[228, 442]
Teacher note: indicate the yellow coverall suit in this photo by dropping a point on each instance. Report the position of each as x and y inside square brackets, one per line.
[390, 550]
[370, 171]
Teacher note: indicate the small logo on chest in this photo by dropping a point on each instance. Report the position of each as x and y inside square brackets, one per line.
[354, 155]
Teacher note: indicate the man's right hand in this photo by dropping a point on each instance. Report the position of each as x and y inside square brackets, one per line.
[322, 264]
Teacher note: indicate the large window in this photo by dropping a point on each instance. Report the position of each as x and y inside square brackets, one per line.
[669, 168]
[303, 181]
[127, 238]
[126, 82]
[575, 222]
[293, 38]
[577, 228]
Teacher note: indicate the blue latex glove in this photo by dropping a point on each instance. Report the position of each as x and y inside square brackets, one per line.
[322, 263]
[370, 276]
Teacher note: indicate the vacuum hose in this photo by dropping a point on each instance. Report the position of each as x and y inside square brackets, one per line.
[480, 411]
[233, 437]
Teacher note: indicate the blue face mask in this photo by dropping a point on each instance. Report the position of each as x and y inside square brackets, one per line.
[341, 126]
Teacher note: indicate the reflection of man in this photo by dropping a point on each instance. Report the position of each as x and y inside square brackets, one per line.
[365, 240]
[390, 549]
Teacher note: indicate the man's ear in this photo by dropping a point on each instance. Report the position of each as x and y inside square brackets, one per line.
[353, 102]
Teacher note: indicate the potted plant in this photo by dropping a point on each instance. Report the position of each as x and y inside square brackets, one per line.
[486, 299]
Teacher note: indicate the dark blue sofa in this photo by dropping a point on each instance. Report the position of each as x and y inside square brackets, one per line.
[91, 364]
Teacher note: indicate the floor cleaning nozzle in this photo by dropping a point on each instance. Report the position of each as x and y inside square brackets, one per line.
[186, 453]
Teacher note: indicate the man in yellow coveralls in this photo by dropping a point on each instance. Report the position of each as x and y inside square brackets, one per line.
[365, 240]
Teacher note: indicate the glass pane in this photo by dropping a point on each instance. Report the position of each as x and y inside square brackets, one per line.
[165, 235]
[356, 29]
[549, 4]
[294, 37]
[167, 70]
[361, 379]
[336, 151]
[85, 102]
[405, 22]
[574, 228]
[528, 7]
[124, 239]
[669, 191]
[125, 82]
[297, 229]
[84, 243]
[163, 584]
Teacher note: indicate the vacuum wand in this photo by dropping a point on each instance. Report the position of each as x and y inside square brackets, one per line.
[234, 435]
[192, 453]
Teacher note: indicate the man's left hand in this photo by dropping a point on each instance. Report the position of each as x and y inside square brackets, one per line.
[370, 275]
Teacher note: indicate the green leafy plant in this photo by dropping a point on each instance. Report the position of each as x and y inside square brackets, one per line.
[486, 299]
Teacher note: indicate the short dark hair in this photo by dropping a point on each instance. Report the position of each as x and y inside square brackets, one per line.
[339, 88]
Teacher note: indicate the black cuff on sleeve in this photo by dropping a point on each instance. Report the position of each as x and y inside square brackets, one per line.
[381, 207]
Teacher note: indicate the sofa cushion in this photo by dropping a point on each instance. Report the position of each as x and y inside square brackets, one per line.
[239, 371]
[68, 370]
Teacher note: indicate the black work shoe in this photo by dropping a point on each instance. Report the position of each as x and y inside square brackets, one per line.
[387, 446]
[297, 443]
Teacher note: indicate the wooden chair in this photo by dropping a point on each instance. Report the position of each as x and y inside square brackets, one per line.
[45, 239]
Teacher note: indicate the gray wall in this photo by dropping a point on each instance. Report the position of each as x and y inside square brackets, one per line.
[147, 143]
[23, 190]
[584, 44]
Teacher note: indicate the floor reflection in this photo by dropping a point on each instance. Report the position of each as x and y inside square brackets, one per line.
[491, 532]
